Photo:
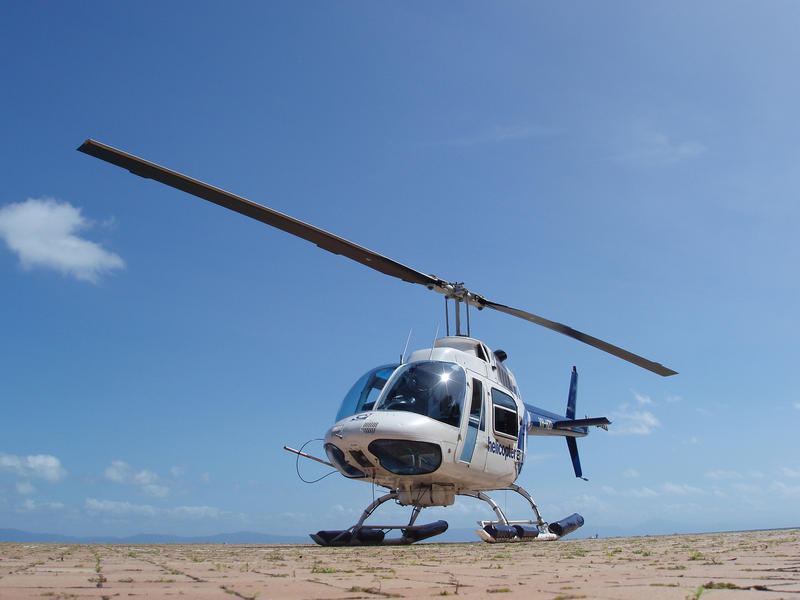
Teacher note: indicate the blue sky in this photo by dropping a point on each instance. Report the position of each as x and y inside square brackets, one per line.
[630, 169]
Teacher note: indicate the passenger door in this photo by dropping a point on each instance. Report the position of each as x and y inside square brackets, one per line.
[473, 420]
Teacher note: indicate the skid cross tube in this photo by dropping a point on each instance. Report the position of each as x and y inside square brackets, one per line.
[371, 508]
[490, 502]
[515, 488]
[543, 526]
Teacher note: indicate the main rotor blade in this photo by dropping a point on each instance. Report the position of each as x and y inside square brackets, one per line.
[323, 239]
[337, 245]
[655, 367]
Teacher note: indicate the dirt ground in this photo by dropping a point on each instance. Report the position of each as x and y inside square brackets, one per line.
[764, 564]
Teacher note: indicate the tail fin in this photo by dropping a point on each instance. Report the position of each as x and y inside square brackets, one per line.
[573, 394]
[572, 444]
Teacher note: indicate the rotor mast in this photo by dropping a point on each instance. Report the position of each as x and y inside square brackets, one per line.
[459, 294]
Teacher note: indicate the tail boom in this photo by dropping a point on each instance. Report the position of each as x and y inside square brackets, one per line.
[542, 422]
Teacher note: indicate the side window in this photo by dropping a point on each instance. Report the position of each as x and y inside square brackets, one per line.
[477, 399]
[373, 389]
[505, 414]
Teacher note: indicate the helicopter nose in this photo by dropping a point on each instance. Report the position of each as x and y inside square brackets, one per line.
[407, 457]
[396, 443]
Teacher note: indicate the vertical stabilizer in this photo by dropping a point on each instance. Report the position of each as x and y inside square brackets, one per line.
[572, 444]
[573, 394]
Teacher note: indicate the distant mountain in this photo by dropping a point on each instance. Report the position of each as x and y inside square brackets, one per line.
[452, 535]
[466, 534]
[238, 537]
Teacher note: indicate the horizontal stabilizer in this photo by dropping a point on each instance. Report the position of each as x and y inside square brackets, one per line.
[593, 422]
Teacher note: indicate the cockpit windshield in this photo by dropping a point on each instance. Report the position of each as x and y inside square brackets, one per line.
[431, 388]
[365, 391]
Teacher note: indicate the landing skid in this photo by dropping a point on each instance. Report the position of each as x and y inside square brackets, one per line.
[505, 531]
[375, 535]
[542, 537]
[500, 531]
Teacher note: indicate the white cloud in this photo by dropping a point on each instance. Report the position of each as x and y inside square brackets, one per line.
[586, 502]
[118, 471]
[38, 466]
[146, 480]
[797, 405]
[25, 487]
[787, 472]
[786, 491]
[722, 474]
[642, 492]
[630, 473]
[42, 232]
[649, 147]
[641, 399]
[340, 511]
[680, 489]
[747, 488]
[499, 134]
[119, 509]
[674, 399]
[636, 422]
[195, 512]
[682, 509]
[127, 509]
[33, 506]
[156, 491]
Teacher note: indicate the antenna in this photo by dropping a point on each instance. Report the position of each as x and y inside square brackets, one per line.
[435, 335]
[403, 355]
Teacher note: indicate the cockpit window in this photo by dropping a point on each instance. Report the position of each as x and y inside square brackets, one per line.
[505, 414]
[430, 388]
[365, 391]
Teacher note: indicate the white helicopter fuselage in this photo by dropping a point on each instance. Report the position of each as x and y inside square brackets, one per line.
[447, 421]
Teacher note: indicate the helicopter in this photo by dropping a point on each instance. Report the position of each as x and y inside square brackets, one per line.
[445, 421]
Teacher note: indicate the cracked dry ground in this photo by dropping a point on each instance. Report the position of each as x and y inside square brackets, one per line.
[763, 564]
